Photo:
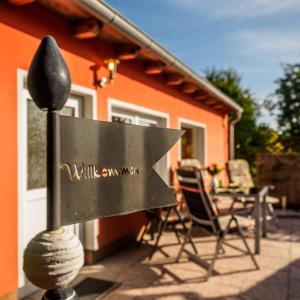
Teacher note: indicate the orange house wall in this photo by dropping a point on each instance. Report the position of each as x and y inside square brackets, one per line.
[20, 33]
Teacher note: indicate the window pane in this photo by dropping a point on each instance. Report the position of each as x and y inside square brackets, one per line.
[36, 147]
[187, 143]
[147, 123]
[68, 111]
[121, 120]
[36, 144]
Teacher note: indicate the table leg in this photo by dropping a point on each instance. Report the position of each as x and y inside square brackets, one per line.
[264, 216]
[257, 223]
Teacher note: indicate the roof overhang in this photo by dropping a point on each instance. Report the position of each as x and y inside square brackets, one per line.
[134, 43]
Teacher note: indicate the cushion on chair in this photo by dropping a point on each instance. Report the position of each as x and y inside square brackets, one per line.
[239, 173]
[270, 200]
[243, 222]
[273, 200]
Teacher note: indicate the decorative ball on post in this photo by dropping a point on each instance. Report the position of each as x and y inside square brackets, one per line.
[53, 257]
[49, 80]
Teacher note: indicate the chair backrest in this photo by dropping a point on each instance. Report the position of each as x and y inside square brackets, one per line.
[239, 173]
[197, 199]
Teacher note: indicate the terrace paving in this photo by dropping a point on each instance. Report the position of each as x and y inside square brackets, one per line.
[164, 278]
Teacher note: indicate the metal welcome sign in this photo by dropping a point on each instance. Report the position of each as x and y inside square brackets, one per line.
[94, 170]
[106, 168]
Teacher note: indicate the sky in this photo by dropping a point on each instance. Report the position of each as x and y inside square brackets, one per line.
[251, 36]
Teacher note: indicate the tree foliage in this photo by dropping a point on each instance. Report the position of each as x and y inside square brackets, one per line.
[287, 107]
[250, 138]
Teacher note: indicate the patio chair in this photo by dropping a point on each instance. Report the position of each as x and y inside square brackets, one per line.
[239, 176]
[158, 220]
[195, 163]
[202, 213]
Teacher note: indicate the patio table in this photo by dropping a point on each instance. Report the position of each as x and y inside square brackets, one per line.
[259, 195]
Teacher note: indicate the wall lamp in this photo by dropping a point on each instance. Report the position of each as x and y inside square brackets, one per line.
[111, 65]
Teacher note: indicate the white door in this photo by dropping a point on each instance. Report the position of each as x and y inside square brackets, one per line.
[34, 207]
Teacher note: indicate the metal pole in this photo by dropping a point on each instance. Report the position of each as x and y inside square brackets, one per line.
[257, 222]
[53, 172]
[264, 216]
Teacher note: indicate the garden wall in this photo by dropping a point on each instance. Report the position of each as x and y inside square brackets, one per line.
[283, 172]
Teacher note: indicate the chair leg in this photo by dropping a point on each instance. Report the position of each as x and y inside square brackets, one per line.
[215, 201]
[187, 238]
[252, 211]
[185, 230]
[272, 212]
[223, 250]
[220, 241]
[218, 248]
[176, 233]
[245, 243]
[190, 238]
[193, 245]
[138, 244]
[162, 227]
[232, 205]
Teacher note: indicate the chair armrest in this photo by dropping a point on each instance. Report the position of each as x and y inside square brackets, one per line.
[270, 187]
[261, 189]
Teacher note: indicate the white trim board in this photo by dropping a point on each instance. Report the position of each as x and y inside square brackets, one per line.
[191, 123]
[22, 169]
[197, 124]
[137, 108]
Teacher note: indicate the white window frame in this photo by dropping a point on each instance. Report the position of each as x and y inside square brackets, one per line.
[118, 104]
[188, 122]
[91, 228]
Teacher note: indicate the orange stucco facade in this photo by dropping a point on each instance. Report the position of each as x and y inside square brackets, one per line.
[21, 30]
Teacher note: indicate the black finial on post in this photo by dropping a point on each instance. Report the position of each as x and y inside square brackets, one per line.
[49, 80]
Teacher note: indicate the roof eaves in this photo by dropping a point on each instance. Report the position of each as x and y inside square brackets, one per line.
[107, 14]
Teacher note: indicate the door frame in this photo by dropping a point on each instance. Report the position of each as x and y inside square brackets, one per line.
[188, 122]
[91, 228]
[114, 103]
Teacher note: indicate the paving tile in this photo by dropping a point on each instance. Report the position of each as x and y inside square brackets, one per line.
[188, 291]
[275, 252]
[119, 293]
[295, 263]
[164, 278]
[125, 259]
[266, 292]
[294, 273]
[294, 288]
[273, 263]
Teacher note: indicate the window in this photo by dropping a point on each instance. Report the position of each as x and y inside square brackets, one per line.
[123, 112]
[188, 149]
[193, 141]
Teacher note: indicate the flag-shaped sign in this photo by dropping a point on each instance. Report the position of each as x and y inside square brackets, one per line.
[107, 168]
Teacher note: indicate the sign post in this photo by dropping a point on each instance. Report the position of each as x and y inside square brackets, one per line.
[94, 170]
